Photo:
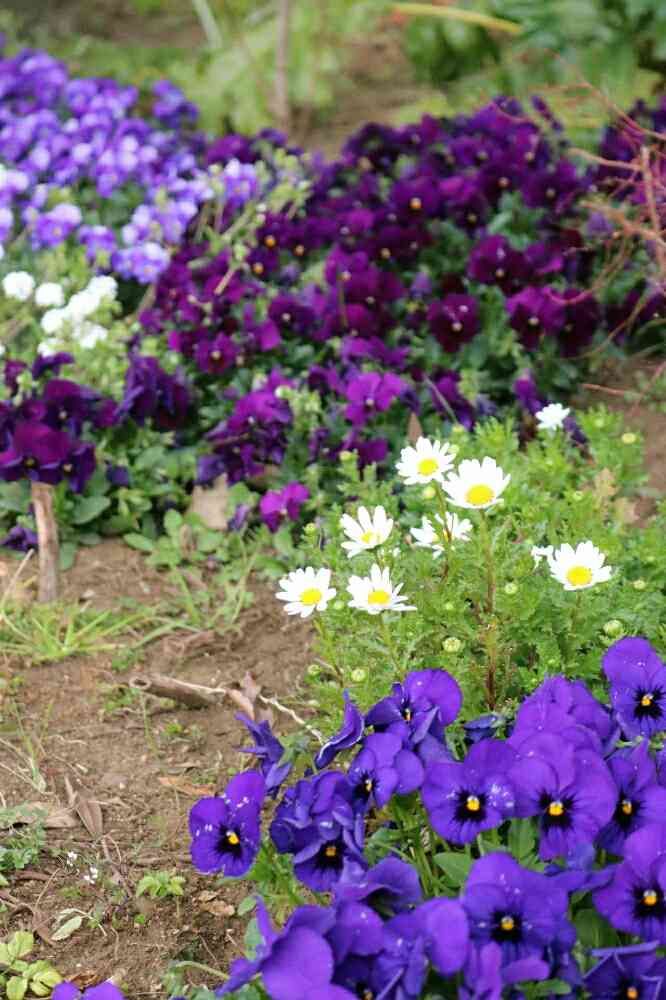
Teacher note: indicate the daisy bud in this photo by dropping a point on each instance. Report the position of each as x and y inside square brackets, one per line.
[428, 493]
[628, 438]
[358, 675]
[639, 584]
[511, 588]
[452, 645]
[614, 627]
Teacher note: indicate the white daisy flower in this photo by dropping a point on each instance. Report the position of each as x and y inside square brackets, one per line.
[429, 461]
[376, 593]
[49, 294]
[539, 552]
[81, 305]
[90, 334]
[53, 320]
[18, 285]
[306, 590]
[551, 417]
[366, 531]
[476, 485]
[427, 537]
[103, 286]
[579, 568]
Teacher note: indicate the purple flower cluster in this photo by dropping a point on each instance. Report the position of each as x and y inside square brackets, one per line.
[565, 768]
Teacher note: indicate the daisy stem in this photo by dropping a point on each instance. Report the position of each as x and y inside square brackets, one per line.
[445, 534]
[487, 544]
[573, 625]
[388, 639]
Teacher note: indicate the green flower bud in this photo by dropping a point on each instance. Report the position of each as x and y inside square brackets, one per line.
[458, 429]
[449, 606]
[600, 422]
[577, 495]
[639, 584]
[338, 605]
[511, 588]
[359, 675]
[347, 456]
[313, 670]
[310, 528]
[428, 492]
[452, 645]
[614, 627]
[629, 438]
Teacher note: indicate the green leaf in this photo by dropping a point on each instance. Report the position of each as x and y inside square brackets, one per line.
[17, 988]
[139, 542]
[246, 906]
[522, 839]
[86, 509]
[21, 944]
[67, 554]
[173, 522]
[68, 928]
[455, 865]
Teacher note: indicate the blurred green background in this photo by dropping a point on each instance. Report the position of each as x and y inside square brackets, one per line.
[343, 62]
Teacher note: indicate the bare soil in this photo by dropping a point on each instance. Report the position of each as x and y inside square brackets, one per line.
[145, 763]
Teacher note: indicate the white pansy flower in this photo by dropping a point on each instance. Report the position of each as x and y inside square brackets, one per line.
[53, 320]
[427, 537]
[18, 285]
[552, 417]
[376, 593]
[579, 568]
[476, 485]
[366, 531]
[428, 461]
[49, 294]
[306, 590]
[539, 552]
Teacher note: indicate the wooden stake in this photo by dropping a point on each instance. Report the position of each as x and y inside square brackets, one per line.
[49, 549]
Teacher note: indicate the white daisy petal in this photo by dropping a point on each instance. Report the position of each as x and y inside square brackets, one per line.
[579, 568]
[375, 593]
[306, 590]
[552, 417]
[476, 485]
[367, 532]
[428, 462]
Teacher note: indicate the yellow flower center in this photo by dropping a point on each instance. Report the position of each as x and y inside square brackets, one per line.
[647, 700]
[507, 923]
[479, 495]
[650, 897]
[311, 596]
[556, 808]
[369, 538]
[380, 597]
[270, 242]
[627, 807]
[368, 785]
[472, 803]
[579, 576]
[427, 466]
[331, 851]
[632, 993]
[233, 838]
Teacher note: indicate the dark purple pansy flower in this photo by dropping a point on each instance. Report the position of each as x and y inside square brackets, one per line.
[635, 899]
[424, 704]
[518, 909]
[152, 393]
[275, 506]
[578, 873]
[640, 799]
[534, 312]
[118, 475]
[269, 751]
[371, 393]
[569, 789]
[348, 735]
[391, 885]
[20, 539]
[637, 686]
[559, 705]
[630, 973]
[50, 363]
[486, 977]
[226, 830]
[36, 452]
[462, 799]
[454, 320]
[493, 261]
[381, 768]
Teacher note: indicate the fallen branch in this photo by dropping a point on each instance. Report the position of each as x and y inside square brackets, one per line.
[49, 549]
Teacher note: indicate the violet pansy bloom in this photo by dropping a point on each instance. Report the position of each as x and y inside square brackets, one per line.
[637, 678]
[103, 991]
[640, 800]
[269, 751]
[635, 899]
[349, 734]
[277, 505]
[634, 971]
[383, 767]
[226, 830]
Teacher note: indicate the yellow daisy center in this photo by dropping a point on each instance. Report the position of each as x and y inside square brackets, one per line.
[472, 803]
[479, 495]
[507, 923]
[627, 807]
[311, 596]
[647, 700]
[650, 897]
[556, 808]
[369, 538]
[380, 597]
[233, 838]
[579, 576]
[632, 993]
[427, 466]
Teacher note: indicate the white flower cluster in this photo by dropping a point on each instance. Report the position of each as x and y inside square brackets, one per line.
[75, 315]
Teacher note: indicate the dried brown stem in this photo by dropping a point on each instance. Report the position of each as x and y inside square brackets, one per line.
[49, 549]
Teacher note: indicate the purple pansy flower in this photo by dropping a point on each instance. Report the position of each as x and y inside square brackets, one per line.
[419, 709]
[383, 767]
[634, 972]
[635, 899]
[371, 393]
[637, 686]
[275, 506]
[103, 991]
[348, 735]
[640, 799]
[462, 799]
[226, 830]
[454, 320]
[270, 752]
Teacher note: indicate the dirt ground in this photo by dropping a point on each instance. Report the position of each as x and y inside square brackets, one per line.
[145, 766]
